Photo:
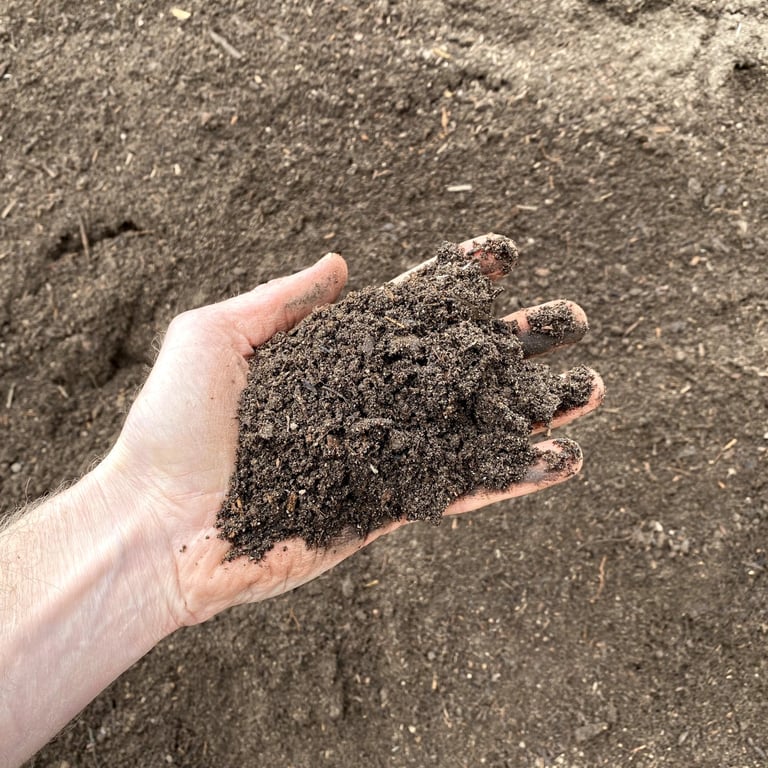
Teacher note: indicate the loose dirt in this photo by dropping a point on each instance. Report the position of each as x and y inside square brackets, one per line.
[389, 405]
[619, 619]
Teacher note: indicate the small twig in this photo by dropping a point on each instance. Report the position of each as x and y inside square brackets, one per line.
[395, 322]
[726, 447]
[92, 744]
[225, 44]
[84, 237]
[8, 208]
[633, 326]
[601, 580]
[334, 392]
[9, 399]
[680, 470]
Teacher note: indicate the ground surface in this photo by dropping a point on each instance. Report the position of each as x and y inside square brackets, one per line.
[147, 166]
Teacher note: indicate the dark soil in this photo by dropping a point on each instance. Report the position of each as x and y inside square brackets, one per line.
[389, 406]
[619, 619]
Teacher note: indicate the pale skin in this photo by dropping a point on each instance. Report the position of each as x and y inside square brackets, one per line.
[92, 578]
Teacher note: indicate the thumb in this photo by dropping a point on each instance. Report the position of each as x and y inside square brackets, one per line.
[279, 304]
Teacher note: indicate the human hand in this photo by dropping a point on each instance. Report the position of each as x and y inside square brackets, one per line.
[177, 449]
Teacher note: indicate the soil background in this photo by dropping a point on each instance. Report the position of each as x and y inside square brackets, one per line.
[150, 164]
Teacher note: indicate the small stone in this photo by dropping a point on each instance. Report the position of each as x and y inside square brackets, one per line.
[589, 731]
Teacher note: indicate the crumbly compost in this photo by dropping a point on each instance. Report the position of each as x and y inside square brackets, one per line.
[388, 405]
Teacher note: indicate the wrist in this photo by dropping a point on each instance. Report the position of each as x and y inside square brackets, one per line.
[82, 598]
[122, 526]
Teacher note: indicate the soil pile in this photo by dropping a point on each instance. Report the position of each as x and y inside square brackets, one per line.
[388, 405]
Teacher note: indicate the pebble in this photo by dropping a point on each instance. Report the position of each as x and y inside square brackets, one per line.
[589, 731]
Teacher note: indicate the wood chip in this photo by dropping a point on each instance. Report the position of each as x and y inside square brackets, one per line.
[180, 13]
[442, 53]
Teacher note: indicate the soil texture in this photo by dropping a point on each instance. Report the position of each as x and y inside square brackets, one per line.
[150, 164]
[390, 405]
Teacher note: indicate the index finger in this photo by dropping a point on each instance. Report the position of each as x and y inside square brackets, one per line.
[496, 254]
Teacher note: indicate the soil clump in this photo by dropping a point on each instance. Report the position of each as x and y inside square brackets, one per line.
[390, 405]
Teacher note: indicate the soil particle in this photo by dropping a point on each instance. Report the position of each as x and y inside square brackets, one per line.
[388, 406]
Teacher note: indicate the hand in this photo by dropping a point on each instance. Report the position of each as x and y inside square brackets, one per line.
[177, 448]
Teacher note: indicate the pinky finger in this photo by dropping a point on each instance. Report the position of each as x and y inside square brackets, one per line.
[558, 461]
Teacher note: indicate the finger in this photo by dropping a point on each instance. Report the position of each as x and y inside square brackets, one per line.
[559, 460]
[279, 304]
[582, 391]
[549, 326]
[497, 256]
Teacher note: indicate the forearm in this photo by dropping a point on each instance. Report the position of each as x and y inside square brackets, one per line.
[80, 601]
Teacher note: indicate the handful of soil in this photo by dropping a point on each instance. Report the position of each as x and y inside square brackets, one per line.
[388, 405]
